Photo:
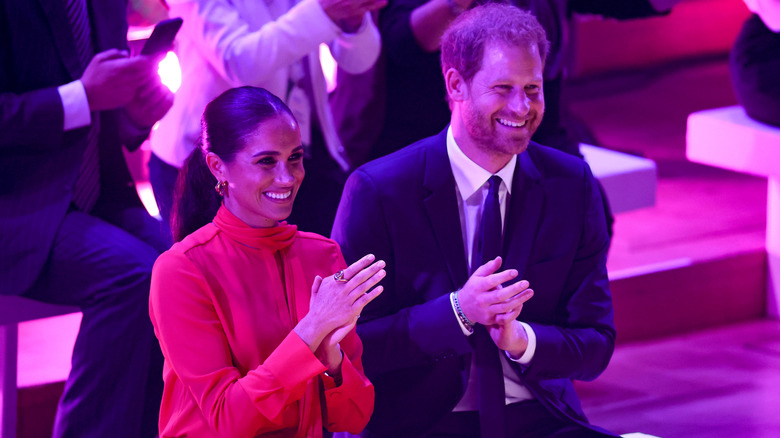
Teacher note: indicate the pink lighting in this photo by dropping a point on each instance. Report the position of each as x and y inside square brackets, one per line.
[329, 67]
[144, 189]
[170, 72]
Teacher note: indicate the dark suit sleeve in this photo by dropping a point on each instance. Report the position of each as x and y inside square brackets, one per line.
[579, 342]
[397, 333]
[31, 120]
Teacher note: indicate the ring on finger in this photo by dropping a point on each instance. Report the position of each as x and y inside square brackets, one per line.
[339, 276]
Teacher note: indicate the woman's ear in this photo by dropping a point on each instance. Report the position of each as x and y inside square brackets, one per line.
[216, 166]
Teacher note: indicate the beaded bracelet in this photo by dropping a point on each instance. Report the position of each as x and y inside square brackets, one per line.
[462, 316]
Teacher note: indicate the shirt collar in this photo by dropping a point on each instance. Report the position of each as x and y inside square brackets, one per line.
[469, 176]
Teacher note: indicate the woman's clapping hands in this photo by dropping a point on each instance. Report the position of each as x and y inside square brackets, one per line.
[336, 305]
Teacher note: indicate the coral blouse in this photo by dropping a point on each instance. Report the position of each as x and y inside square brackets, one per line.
[223, 304]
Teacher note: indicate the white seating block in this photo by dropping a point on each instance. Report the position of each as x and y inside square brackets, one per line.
[728, 138]
[14, 310]
[629, 181]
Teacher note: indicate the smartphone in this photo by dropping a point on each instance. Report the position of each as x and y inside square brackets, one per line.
[161, 39]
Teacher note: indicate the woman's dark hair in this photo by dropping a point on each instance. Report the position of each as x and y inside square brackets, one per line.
[227, 122]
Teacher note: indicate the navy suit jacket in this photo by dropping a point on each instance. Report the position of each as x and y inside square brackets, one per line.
[39, 162]
[403, 208]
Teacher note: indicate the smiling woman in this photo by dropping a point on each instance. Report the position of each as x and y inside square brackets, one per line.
[244, 130]
[256, 319]
[264, 177]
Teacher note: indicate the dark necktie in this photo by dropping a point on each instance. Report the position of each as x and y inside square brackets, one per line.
[87, 186]
[489, 372]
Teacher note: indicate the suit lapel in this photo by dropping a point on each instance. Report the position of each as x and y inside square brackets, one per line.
[63, 36]
[525, 210]
[441, 206]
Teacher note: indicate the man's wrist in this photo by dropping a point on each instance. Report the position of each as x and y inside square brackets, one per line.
[465, 323]
[524, 355]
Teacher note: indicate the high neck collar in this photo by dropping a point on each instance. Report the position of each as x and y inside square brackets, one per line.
[273, 238]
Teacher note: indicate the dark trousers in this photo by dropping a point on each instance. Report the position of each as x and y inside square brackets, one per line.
[528, 419]
[102, 263]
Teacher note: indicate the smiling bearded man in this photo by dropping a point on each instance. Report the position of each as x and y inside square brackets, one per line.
[468, 221]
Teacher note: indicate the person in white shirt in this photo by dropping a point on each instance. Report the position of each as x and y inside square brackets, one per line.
[73, 230]
[273, 44]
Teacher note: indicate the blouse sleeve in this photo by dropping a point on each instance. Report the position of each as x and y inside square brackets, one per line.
[196, 349]
[349, 406]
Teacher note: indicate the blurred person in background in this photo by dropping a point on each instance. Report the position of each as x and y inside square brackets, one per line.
[755, 62]
[74, 231]
[272, 44]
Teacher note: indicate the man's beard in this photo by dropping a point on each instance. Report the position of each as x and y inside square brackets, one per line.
[483, 130]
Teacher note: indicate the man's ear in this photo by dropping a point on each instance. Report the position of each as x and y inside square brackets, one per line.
[457, 89]
[216, 166]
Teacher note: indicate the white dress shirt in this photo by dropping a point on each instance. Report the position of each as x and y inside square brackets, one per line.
[472, 188]
[75, 105]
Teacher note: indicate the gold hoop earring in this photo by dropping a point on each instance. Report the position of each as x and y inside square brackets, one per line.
[221, 187]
